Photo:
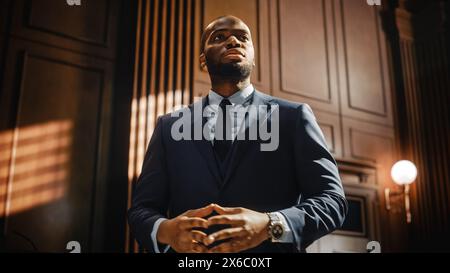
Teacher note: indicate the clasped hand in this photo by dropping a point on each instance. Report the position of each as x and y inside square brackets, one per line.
[247, 229]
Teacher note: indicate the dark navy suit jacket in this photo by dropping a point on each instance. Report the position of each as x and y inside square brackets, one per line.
[300, 179]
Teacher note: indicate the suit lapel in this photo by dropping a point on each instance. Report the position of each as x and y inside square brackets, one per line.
[241, 146]
[204, 146]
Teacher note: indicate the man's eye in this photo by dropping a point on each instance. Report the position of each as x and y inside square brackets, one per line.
[243, 38]
[218, 38]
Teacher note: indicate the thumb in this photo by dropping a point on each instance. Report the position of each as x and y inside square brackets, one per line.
[200, 212]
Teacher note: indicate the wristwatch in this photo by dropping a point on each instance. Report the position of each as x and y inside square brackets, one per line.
[276, 228]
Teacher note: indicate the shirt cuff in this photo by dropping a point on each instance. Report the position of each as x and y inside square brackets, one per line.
[287, 236]
[153, 235]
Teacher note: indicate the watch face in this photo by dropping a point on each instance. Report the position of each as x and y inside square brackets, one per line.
[277, 231]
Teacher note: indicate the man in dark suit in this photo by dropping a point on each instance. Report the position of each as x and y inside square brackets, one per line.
[225, 193]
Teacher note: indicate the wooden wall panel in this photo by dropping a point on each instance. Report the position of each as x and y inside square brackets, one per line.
[254, 13]
[426, 92]
[371, 220]
[303, 53]
[57, 149]
[331, 128]
[3, 38]
[374, 145]
[55, 109]
[60, 21]
[369, 144]
[2, 54]
[4, 16]
[364, 76]
[163, 75]
[4, 20]
[88, 28]
[419, 42]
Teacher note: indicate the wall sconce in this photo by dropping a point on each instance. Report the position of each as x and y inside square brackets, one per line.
[403, 173]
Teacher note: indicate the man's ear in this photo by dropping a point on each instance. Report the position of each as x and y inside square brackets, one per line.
[203, 66]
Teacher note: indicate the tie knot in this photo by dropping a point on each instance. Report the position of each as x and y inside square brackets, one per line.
[225, 102]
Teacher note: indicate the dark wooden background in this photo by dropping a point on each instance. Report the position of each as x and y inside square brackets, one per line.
[82, 86]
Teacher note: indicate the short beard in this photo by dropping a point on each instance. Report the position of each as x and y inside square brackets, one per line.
[233, 71]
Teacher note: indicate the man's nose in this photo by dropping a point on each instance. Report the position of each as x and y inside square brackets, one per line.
[233, 42]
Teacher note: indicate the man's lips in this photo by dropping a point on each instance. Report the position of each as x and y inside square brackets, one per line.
[234, 53]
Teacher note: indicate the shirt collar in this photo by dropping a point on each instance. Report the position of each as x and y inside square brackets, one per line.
[237, 98]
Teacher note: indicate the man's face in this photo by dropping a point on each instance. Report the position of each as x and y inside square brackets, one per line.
[228, 49]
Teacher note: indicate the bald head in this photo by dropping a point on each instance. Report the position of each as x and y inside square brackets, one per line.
[227, 50]
[221, 22]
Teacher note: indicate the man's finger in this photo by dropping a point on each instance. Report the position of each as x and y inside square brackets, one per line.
[197, 236]
[200, 212]
[232, 246]
[198, 248]
[193, 222]
[226, 234]
[225, 210]
[233, 220]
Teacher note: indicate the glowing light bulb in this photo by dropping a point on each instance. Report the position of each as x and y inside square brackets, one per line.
[404, 172]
